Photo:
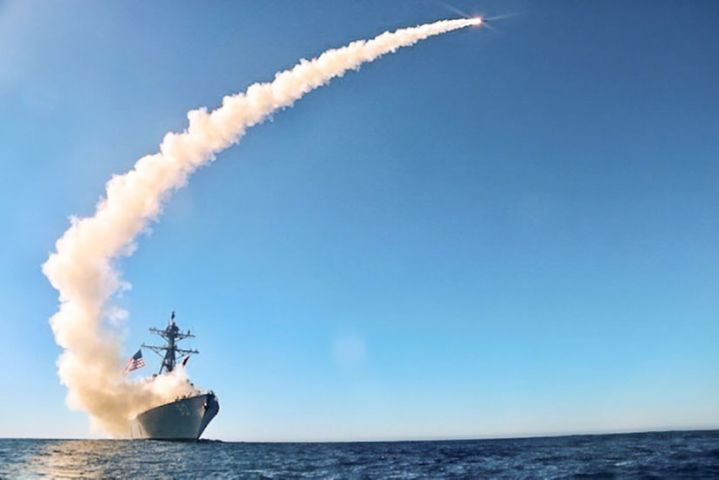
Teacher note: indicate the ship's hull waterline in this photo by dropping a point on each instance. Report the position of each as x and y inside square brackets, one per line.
[183, 419]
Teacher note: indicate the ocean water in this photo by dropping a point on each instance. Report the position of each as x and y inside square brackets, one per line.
[644, 455]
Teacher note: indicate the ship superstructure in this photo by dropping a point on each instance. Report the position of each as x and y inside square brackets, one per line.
[186, 417]
[172, 334]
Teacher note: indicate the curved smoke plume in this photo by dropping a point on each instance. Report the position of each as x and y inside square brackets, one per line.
[82, 268]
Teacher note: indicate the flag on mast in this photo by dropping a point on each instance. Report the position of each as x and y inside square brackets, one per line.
[135, 362]
[184, 360]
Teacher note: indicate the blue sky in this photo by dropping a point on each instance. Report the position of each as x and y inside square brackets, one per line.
[493, 233]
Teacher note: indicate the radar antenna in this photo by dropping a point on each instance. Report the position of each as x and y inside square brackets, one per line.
[169, 352]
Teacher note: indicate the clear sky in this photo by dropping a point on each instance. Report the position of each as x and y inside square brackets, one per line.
[503, 231]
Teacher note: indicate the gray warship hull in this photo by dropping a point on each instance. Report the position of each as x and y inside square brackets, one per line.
[183, 419]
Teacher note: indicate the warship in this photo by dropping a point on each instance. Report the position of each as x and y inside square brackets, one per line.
[186, 417]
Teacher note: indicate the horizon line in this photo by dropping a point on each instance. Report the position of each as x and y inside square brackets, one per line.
[438, 439]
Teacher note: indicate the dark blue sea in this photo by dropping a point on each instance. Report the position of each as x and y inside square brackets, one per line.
[641, 455]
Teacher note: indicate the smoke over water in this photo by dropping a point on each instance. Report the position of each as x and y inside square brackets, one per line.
[83, 267]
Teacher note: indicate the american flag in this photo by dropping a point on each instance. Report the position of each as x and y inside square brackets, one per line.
[135, 362]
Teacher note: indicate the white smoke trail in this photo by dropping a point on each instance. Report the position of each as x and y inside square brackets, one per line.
[82, 268]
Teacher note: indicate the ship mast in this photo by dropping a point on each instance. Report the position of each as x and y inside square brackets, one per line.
[169, 352]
